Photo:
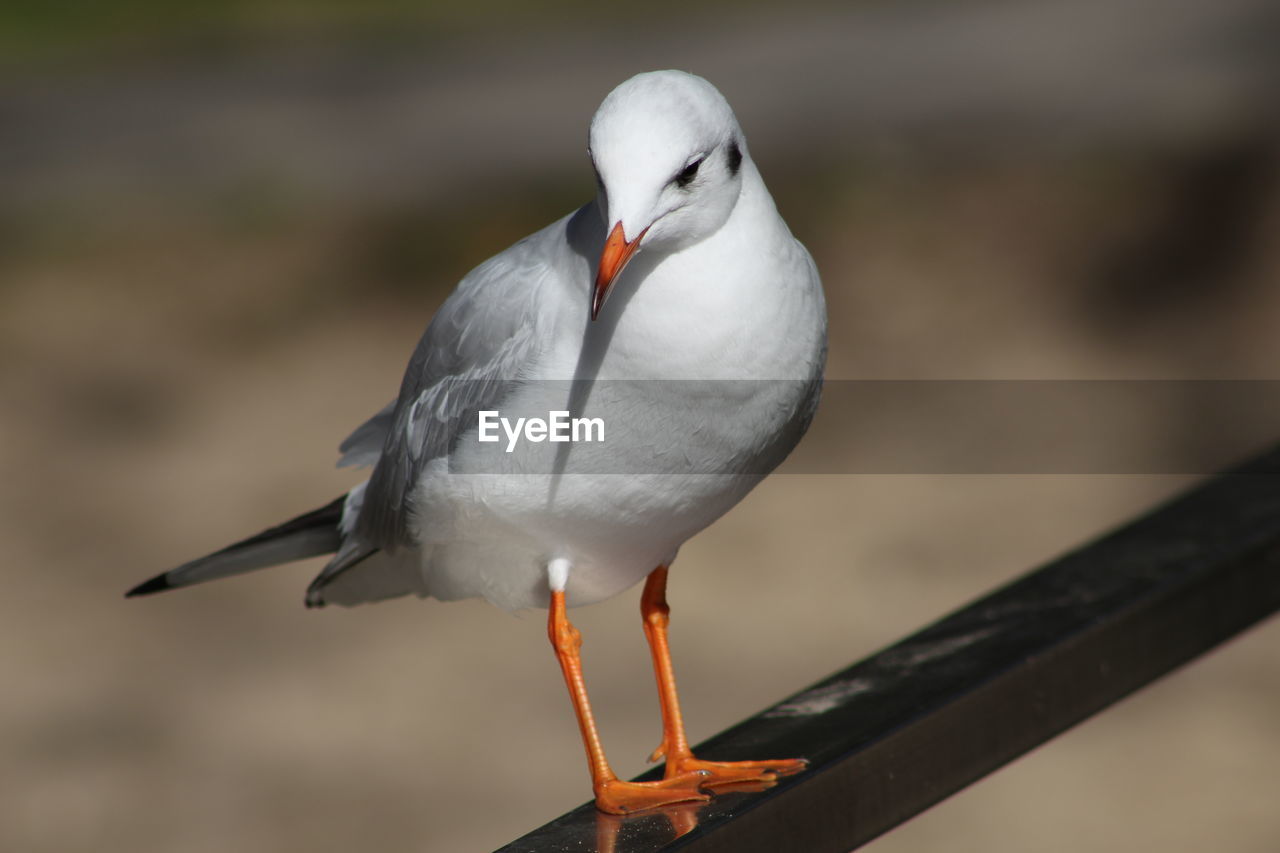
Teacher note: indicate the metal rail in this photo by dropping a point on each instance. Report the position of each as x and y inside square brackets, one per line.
[892, 735]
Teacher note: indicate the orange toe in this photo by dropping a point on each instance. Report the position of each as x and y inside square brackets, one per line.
[618, 797]
[732, 772]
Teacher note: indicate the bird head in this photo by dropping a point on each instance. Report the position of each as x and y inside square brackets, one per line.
[668, 154]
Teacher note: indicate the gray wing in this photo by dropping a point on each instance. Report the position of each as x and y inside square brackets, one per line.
[476, 346]
[364, 446]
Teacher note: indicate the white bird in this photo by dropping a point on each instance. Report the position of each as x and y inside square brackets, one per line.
[678, 310]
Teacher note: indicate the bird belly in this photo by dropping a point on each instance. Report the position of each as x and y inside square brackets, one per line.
[612, 529]
[491, 515]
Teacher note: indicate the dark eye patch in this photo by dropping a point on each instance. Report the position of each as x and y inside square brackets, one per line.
[734, 157]
[688, 173]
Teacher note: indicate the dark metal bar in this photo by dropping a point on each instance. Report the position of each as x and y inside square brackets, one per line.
[892, 735]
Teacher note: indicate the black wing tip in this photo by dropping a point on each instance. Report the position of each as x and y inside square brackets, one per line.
[159, 583]
[329, 515]
[314, 599]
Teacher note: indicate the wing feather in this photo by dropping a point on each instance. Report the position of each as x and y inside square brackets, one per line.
[364, 446]
[477, 345]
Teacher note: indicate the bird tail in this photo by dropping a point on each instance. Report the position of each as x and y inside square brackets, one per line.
[309, 535]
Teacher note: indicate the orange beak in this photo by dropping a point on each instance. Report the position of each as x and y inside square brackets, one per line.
[617, 252]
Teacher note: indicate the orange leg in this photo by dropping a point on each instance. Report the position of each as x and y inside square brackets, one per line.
[612, 794]
[680, 758]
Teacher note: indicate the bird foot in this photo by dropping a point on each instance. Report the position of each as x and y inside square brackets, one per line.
[732, 772]
[618, 797]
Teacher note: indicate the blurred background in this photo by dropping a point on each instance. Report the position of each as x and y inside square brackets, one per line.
[223, 227]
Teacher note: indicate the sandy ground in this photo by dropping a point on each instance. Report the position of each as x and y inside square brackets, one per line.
[172, 383]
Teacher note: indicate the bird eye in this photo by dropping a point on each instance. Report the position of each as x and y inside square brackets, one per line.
[688, 173]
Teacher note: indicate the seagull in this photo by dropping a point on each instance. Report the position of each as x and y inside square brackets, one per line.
[676, 312]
